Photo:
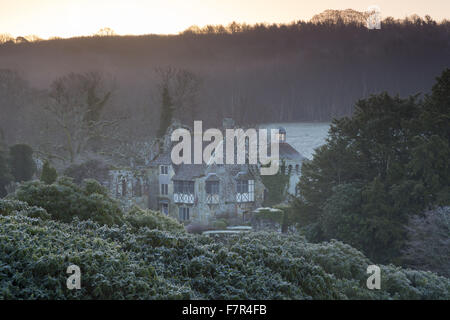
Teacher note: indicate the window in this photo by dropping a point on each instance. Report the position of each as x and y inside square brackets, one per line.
[124, 187]
[164, 189]
[137, 191]
[164, 169]
[212, 192]
[183, 213]
[186, 187]
[183, 191]
[242, 186]
[212, 187]
[164, 208]
[245, 191]
[251, 190]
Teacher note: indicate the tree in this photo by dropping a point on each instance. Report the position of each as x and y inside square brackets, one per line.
[386, 163]
[49, 174]
[76, 103]
[178, 89]
[21, 162]
[91, 169]
[15, 96]
[276, 186]
[166, 113]
[5, 172]
[5, 37]
[105, 32]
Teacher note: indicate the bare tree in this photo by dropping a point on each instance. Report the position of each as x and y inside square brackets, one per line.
[76, 102]
[183, 87]
[104, 32]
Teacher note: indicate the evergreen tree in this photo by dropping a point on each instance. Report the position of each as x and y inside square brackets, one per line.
[5, 171]
[166, 112]
[21, 162]
[386, 163]
[48, 174]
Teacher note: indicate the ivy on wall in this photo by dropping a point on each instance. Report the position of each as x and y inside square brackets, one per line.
[276, 186]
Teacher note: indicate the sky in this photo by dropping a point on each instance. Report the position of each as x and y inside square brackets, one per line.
[68, 18]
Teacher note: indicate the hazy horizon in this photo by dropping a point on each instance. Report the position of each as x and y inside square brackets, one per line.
[52, 18]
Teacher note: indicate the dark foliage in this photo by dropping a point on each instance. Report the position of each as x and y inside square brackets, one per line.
[378, 168]
[48, 174]
[125, 263]
[90, 169]
[21, 162]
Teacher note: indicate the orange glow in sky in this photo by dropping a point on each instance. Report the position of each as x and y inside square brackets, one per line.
[67, 18]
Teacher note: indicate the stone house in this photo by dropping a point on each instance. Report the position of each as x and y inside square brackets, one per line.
[198, 192]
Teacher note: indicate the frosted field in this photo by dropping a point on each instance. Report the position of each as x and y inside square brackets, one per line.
[303, 136]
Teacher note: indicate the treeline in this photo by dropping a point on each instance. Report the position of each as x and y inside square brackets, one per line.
[301, 71]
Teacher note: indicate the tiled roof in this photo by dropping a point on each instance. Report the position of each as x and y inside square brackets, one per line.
[288, 152]
[189, 171]
[162, 159]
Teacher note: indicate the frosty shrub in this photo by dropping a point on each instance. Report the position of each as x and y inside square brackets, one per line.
[65, 200]
[127, 262]
[139, 218]
[11, 207]
[428, 245]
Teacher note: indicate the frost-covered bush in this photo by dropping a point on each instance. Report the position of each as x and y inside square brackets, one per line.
[129, 262]
[139, 218]
[64, 200]
[428, 244]
[34, 256]
[11, 207]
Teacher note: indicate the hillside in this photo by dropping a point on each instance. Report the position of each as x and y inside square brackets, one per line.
[302, 71]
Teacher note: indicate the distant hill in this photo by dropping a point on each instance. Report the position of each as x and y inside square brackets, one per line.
[303, 71]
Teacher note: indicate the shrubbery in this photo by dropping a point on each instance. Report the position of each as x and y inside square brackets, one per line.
[65, 200]
[34, 256]
[428, 244]
[11, 207]
[91, 169]
[128, 262]
[139, 218]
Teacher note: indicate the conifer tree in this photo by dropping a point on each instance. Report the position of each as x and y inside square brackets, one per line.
[49, 173]
[21, 162]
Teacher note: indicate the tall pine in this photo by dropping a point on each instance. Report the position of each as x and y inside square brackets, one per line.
[166, 112]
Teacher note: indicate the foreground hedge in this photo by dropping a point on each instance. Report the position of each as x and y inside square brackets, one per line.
[139, 263]
[64, 200]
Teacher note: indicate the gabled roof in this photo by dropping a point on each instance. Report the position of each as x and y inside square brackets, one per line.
[161, 159]
[288, 152]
